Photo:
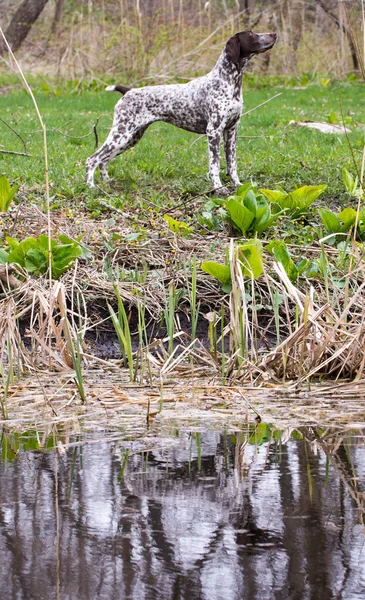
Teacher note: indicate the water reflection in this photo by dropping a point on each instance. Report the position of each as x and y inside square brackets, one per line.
[258, 515]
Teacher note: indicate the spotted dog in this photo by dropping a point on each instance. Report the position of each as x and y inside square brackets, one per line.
[210, 105]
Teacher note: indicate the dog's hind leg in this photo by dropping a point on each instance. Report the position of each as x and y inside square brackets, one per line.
[116, 143]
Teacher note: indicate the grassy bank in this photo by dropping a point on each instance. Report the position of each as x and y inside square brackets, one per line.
[131, 250]
[168, 161]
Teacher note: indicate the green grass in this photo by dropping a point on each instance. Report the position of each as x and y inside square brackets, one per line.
[165, 164]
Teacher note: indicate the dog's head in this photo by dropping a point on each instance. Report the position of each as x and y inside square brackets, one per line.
[247, 43]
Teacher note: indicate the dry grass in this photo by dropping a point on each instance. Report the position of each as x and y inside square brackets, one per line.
[42, 403]
[324, 324]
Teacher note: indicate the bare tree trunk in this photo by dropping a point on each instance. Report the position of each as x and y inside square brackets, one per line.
[341, 26]
[21, 23]
[60, 4]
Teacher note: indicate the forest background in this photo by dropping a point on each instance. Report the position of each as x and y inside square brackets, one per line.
[165, 40]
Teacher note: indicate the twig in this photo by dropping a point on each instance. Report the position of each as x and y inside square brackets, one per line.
[13, 152]
[96, 133]
[184, 202]
[121, 212]
[262, 104]
[252, 137]
[212, 34]
[19, 136]
[79, 137]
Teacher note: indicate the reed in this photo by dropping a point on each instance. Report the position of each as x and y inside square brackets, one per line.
[192, 290]
[121, 326]
[75, 350]
[169, 316]
[212, 334]
[223, 351]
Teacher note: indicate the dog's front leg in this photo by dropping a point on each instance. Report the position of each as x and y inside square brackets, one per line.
[214, 139]
[230, 137]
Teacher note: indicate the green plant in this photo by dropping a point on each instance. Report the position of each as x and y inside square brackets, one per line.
[76, 359]
[6, 193]
[250, 257]
[352, 185]
[179, 227]
[294, 203]
[169, 315]
[121, 326]
[293, 270]
[212, 214]
[32, 254]
[343, 223]
[250, 212]
[212, 333]
[194, 306]
[220, 272]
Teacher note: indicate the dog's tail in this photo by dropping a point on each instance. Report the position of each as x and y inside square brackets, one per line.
[117, 88]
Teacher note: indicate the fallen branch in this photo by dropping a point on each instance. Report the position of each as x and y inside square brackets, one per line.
[17, 134]
[81, 137]
[13, 152]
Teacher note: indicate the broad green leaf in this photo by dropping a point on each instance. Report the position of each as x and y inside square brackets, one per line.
[42, 243]
[297, 200]
[274, 195]
[262, 225]
[11, 195]
[243, 189]
[348, 181]
[177, 226]
[302, 265]
[241, 216]
[220, 272]
[18, 254]
[4, 256]
[348, 218]
[250, 255]
[66, 252]
[35, 260]
[329, 220]
[312, 269]
[6, 193]
[64, 239]
[32, 254]
[332, 118]
[62, 258]
[263, 214]
[4, 188]
[281, 254]
[250, 202]
[12, 242]
[85, 252]
[304, 196]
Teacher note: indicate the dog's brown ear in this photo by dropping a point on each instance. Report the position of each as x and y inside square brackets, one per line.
[233, 49]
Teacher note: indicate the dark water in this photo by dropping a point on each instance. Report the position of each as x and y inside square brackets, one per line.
[256, 515]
